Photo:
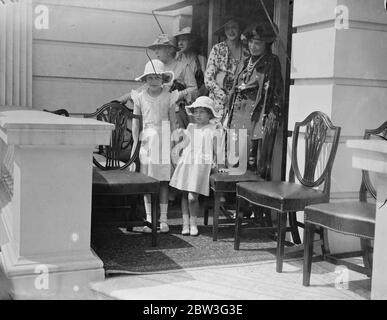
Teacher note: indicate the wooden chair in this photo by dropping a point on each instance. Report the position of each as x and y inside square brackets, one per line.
[221, 183]
[286, 198]
[355, 218]
[111, 175]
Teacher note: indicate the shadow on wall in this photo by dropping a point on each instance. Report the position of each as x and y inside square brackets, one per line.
[5, 286]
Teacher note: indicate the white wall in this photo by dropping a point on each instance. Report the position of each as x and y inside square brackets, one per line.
[342, 72]
[92, 50]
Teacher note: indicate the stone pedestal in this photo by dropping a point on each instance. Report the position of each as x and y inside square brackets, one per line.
[372, 156]
[46, 223]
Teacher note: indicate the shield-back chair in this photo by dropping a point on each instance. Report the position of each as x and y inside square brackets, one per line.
[355, 218]
[286, 198]
[111, 175]
[223, 183]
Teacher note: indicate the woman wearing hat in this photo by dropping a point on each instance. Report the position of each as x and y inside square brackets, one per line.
[165, 49]
[257, 92]
[188, 55]
[223, 61]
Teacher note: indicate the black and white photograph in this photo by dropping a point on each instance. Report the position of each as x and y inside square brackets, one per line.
[194, 155]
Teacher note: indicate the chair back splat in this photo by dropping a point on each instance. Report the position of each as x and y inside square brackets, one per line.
[265, 158]
[115, 185]
[366, 185]
[318, 129]
[121, 142]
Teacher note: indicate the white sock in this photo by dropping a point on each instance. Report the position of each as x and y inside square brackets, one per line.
[148, 211]
[193, 221]
[163, 212]
[185, 220]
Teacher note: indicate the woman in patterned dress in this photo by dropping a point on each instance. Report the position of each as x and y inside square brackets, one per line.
[223, 62]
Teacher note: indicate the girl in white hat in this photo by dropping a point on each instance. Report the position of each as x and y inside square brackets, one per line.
[156, 105]
[193, 168]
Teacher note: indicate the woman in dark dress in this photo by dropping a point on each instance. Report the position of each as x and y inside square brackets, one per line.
[257, 93]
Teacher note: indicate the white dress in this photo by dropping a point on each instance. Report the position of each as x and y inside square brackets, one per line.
[193, 168]
[155, 150]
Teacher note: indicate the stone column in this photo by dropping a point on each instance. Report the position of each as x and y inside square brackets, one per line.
[339, 51]
[16, 53]
[46, 223]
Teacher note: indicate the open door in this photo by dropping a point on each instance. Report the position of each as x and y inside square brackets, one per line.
[206, 17]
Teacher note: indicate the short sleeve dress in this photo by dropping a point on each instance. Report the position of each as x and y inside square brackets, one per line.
[155, 159]
[193, 169]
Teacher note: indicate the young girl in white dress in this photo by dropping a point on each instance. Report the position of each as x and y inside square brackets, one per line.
[202, 140]
[157, 106]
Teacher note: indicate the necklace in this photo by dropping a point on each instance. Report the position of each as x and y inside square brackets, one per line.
[248, 71]
[251, 65]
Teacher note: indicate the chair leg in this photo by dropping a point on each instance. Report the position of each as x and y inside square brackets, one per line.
[325, 245]
[367, 253]
[294, 227]
[133, 205]
[238, 223]
[215, 216]
[154, 219]
[308, 252]
[281, 232]
[269, 221]
[205, 216]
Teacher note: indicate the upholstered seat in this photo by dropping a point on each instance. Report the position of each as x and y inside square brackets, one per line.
[282, 196]
[317, 134]
[353, 218]
[222, 182]
[122, 182]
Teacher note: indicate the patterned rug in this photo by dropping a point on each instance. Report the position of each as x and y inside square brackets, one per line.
[131, 252]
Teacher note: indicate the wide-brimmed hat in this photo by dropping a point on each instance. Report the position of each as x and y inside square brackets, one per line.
[227, 19]
[156, 67]
[202, 102]
[184, 31]
[163, 40]
[263, 31]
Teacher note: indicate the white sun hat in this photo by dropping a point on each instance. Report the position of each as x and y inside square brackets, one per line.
[156, 67]
[203, 102]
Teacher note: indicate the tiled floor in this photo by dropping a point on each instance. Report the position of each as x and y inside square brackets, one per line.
[257, 281]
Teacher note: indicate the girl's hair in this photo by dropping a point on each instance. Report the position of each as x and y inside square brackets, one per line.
[208, 111]
[163, 77]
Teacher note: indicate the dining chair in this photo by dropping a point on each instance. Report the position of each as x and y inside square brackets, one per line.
[224, 183]
[354, 218]
[111, 175]
[321, 140]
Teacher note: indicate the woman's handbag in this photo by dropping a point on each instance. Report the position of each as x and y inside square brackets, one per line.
[199, 77]
[181, 115]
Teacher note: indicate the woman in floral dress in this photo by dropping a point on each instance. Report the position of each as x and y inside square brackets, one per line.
[223, 63]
